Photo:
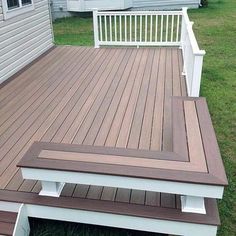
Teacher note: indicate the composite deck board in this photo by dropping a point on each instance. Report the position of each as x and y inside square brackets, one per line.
[35, 92]
[81, 191]
[108, 97]
[41, 118]
[66, 118]
[152, 198]
[115, 127]
[105, 127]
[157, 123]
[168, 92]
[16, 85]
[179, 129]
[68, 190]
[109, 194]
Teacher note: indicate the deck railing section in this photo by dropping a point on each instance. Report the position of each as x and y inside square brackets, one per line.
[137, 28]
[192, 56]
[153, 28]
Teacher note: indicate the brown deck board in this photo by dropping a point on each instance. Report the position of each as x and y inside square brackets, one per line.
[137, 197]
[44, 120]
[35, 92]
[108, 193]
[127, 120]
[115, 127]
[180, 145]
[68, 190]
[168, 91]
[66, 120]
[135, 131]
[168, 200]
[146, 131]
[7, 94]
[105, 101]
[157, 123]
[94, 192]
[115, 104]
[123, 195]
[86, 119]
[152, 198]
[6, 229]
[7, 222]
[81, 191]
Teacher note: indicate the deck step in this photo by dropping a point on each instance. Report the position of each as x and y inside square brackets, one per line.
[7, 222]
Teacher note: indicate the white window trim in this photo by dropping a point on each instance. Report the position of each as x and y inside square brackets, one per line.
[9, 13]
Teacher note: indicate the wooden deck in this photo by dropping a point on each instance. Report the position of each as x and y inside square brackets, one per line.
[108, 97]
[79, 95]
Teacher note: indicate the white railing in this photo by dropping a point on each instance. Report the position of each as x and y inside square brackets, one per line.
[137, 28]
[153, 28]
[192, 56]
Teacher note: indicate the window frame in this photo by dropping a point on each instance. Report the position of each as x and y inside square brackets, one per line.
[10, 13]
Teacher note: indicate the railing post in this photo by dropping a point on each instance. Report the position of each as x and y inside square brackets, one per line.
[52, 189]
[183, 28]
[183, 37]
[95, 28]
[197, 74]
[193, 204]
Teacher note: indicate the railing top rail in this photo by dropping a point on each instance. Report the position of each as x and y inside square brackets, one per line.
[191, 34]
[123, 13]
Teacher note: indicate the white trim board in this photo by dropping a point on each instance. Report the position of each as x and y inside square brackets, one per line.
[191, 189]
[10, 206]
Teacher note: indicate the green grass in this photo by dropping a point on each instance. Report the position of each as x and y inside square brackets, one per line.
[215, 28]
[73, 31]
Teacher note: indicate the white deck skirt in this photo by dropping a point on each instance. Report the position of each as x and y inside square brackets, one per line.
[115, 220]
[190, 189]
[121, 221]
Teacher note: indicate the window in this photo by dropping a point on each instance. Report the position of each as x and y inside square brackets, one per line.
[13, 8]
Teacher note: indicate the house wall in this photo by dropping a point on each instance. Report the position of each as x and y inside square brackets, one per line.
[1, 11]
[59, 7]
[23, 38]
[164, 4]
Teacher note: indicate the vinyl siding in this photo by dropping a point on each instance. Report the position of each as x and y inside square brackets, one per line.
[59, 9]
[1, 11]
[168, 4]
[23, 38]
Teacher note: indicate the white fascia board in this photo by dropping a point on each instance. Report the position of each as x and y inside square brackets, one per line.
[190, 189]
[10, 206]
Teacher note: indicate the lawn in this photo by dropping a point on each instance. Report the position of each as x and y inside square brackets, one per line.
[215, 28]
